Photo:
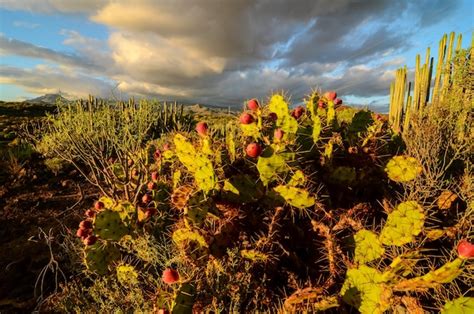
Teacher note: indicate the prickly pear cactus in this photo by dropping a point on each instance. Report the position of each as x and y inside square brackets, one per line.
[343, 175]
[364, 288]
[180, 197]
[269, 164]
[310, 299]
[197, 209]
[445, 274]
[403, 168]
[368, 246]
[98, 258]
[462, 305]
[298, 179]
[184, 235]
[285, 121]
[127, 275]
[230, 143]
[254, 255]
[196, 163]
[403, 224]
[331, 114]
[251, 130]
[108, 225]
[184, 299]
[242, 189]
[317, 128]
[294, 196]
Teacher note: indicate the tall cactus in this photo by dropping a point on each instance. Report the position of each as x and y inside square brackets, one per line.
[402, 104]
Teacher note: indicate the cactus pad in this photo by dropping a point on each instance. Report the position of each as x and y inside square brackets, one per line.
[317, 127]
[242, 189]
[184, 235]
[364, 288]
[254, 255]
[296, 197]
[403, 168]
[368, 247]
[196, 163]
[285, 121]
[445, 274]
[127, 275]
[180, 197]
[184, 299]
[250, 130]
[298, 179]
[98, 258]
[270, 164]
[462, 305]
[108, 225]
[310, 298]
[403, 224]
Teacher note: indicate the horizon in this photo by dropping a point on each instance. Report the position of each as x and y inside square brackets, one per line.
[218, 54]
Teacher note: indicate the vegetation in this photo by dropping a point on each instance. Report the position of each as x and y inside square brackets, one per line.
[316, 208]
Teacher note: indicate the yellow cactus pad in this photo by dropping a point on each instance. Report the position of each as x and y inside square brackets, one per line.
[403, 168]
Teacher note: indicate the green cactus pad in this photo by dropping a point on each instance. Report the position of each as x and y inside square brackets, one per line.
[346, 115]
[403, 168]
[184, 299]
[462, 305]
[127, 275]
[310, 298]
[108, 202]
[176, 178]
[343, 175]
[402, 265]
[296, 197]
[206, 147]
[445, 274]
[184, 235]
[360, 122]
[196, 163]
[98, 258]
[126, 211]
[230, 143]
[331, 114]
[285, 121]
[365, 289]
[197, 209]
[242, 189]
[298, 179]
[368, 247]
[108, 225]
[250, 130]
[317, 127]
[403, 224]
[269, 164]
[254, 255]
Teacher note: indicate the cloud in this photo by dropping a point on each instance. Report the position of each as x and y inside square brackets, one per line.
[225, 51]
[44, 79]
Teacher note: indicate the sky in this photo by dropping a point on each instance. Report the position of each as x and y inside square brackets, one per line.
[218, 52]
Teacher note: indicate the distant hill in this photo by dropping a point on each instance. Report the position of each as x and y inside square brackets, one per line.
[48, 99]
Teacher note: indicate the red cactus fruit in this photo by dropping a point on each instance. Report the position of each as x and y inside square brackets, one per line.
[163, 311]
[146, 198]
[465, 249]
[90, 213]
[166, 147]
[253, 150]
[151, 185]
[82, 233]
[273, 116]
[338, 101]
[252, 104]
[130, 162]
[201, 128]
[134, 172]
[246, 118]
[170, 276]
[321, 104]
[330, 95]
[99, 205]
[278, 134]
[297, 112]
[90, 240]
[85, 224]
[154, 175]
[157, 154]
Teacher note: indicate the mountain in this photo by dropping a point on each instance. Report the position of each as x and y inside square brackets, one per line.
[48, 99]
